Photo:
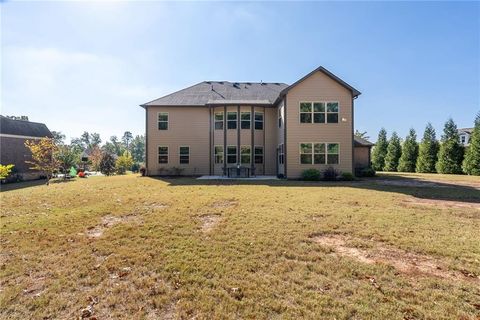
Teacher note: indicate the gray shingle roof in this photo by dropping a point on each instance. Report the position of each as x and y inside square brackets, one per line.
[225, 92]
[467, 130]
[360, 142]
[215, 92]
[23, 128]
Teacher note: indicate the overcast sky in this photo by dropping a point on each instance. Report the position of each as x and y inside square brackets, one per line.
[80, 66]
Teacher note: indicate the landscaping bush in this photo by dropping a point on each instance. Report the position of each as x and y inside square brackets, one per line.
[143, 171]
[347, 176]
[366, 172]
[107, 164]
[311, 175]
[123, 163]
[135, 167]
[330, 174]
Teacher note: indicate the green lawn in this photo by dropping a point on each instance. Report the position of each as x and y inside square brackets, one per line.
[134, 248]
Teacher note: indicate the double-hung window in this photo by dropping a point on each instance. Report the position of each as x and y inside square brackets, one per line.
[231, 120]
[218, 120]
[279, 117]
[332, 112]
[332, 153]
[258, 155]
[305, 112]
[245, 155]
[218, 154]
[231, 154]
[245, 120]
[163, 121]
[162, 154]
[258, 121]
[319, 153]
[184, 155]
[319, 112]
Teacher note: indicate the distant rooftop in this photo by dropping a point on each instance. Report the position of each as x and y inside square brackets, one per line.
[23, 128]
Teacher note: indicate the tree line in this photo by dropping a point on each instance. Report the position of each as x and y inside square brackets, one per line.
[430, 155]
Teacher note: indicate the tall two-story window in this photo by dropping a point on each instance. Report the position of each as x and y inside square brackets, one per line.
[245, 154]
[162, 154]
[258, 155]
[318, 112]
[319, 153]
[163, 121]
[245, 120]
[218, 154]
[231, 120]
[218, 120]
[231, 154]
[184, 155]
[258, 121]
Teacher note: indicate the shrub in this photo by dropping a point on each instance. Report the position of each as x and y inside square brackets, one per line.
[123, 163]
[366, 172]
[5, 170]
[107, 164]
[143, 171]
[347, 176]
[311, 175]
[135, 167]
[330, 174]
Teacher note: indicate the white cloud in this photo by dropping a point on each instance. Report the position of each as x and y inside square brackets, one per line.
[73, 91]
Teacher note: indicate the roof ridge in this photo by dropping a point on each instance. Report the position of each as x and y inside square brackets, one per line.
[144, 104]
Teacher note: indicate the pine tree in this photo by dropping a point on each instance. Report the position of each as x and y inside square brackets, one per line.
[450, 156]
[428, 151]
[394, 151]
[380, 151]
[408, 159]
[471, 163]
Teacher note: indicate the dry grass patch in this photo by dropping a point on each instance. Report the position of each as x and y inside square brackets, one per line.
[212, 250]
[409, 263]
[441, 203]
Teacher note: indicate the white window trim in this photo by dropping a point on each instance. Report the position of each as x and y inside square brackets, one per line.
[255, 120]
[226, 154]
[168, 121]
[313, 154]
[215, 154]
[326, 113]
[179, 155]
[249, 121]
[281, 152]
[168, 154]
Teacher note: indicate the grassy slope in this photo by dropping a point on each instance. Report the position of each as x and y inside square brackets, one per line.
[261, 246]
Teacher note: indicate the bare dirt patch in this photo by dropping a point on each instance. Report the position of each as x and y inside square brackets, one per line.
[108, 222]
[224, 203]
[442, 203]
[209, 221]
[409, 183]
[405, 262]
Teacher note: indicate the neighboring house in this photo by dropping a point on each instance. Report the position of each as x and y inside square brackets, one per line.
[13, 134]
[465, 134]
[264, 128]
[362, 151]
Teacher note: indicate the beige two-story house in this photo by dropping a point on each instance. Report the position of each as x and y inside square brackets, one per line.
[250, 128]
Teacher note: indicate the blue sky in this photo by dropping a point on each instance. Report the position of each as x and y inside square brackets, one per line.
[87, 66]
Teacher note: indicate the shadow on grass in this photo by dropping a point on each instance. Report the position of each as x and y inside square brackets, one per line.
[32, 183]
[418, 188]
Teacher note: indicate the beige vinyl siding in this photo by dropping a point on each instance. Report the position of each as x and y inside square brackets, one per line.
[280, 133]
[270, 130]
[319, 87]
[187, 126]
